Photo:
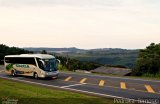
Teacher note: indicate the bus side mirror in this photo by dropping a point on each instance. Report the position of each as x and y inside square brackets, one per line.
[58, 61]
[43, 63]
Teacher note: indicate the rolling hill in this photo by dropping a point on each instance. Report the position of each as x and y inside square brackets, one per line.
[109, 56]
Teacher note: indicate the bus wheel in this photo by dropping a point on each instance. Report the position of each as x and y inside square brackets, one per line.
[13, 73]
[35, 75]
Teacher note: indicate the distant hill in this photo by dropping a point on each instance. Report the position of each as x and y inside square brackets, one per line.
[56, 50]
[75, 50]
[109, 56]
[122, 57]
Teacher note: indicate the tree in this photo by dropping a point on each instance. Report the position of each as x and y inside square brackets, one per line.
[74, 64]
[148, 60]
[44, 52]
[5, 50]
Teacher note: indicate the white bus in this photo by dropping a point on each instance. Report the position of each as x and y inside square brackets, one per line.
[36, 65]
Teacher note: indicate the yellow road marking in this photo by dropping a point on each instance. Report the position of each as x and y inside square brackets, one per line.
[149, 89]
[101, 83]
[83, 80]
[123, 85]
[68, 78]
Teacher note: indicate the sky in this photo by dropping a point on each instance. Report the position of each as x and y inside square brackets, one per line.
[87, 24]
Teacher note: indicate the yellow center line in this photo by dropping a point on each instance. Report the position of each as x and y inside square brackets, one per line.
[83, 80]
[123, 85]
[101, 83]
[149, 89]
[68, 78]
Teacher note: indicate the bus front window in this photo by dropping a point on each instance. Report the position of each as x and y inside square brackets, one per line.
[50, 65]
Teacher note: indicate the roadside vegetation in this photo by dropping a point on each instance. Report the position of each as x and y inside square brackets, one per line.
[73, 64]
[33, 94]
[70, 64]
[148, 62]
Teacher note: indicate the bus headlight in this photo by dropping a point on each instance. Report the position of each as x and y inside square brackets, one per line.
[42, 76]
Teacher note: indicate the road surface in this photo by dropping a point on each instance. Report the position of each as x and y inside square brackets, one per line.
[106, 86]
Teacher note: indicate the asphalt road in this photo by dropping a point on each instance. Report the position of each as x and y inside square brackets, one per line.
[106, 86]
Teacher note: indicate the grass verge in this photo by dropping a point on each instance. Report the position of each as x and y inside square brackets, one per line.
[34, 94]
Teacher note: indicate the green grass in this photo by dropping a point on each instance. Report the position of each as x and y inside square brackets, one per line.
[34, 94]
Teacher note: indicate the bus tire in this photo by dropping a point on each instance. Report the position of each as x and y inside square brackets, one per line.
[35, 75]
[13, 73]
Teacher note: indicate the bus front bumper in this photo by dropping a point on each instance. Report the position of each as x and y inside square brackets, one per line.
[50, 74]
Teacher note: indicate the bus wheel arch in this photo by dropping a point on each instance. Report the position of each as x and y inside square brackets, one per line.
[13, 73]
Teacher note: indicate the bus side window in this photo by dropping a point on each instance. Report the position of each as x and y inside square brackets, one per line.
[20, 60]
[7, 60]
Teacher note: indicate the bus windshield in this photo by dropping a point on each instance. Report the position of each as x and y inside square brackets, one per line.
[50, 65]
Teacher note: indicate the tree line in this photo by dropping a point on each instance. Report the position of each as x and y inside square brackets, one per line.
[73, 64]
[5, 50]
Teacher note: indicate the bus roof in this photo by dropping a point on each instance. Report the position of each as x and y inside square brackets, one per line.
[42, 56]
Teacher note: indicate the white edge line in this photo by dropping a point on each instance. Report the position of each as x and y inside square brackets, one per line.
[71, 89]
[138, 79]
[72, 85]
